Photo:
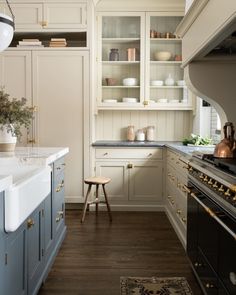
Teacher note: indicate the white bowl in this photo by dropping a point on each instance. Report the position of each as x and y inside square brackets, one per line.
[162, 100]
[181, 83]
[110, 100]
[162, 55]
[130, 82]
[129, 99]
[157, 83]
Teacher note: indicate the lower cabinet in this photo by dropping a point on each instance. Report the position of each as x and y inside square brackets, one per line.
[137, 174]
[176, 194]
[27, 254]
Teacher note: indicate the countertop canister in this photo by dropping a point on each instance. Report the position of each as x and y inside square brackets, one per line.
[130, 133]
[150, 133]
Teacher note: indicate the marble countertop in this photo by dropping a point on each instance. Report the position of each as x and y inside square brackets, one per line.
[25, 156]
[174, 145]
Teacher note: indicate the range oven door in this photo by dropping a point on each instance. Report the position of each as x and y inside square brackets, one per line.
[211, 245]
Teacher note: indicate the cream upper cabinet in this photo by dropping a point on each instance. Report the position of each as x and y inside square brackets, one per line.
[128, 47]
[60, 91]
[15, 77]
[43, 16]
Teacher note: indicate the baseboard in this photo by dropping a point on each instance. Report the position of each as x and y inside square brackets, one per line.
[74, 199]
[130, 207]
[180, 235]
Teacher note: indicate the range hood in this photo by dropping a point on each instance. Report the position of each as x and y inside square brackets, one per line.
[208, 31]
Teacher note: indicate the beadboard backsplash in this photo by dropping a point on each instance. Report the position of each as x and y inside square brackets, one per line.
[169, 125]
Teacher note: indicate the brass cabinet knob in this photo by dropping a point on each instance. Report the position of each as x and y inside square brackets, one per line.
[221, 189]
[61, 214]
[184, 219]
[58, 219]
[215, 185]
[30, 223]
[209, 286]
[146, 103]
[130, 166]
[44, 23]
[210, 182]
[58, 189]
[201, 176]
[227, 193]
[178, 211]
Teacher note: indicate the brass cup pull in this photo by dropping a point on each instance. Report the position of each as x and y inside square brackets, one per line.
[30, 223]
[44, 23]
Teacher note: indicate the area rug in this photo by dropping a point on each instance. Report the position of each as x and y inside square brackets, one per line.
[153, 285]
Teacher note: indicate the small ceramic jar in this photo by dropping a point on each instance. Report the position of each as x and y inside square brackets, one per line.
[130, 133]
[114, 55]
[140, 135]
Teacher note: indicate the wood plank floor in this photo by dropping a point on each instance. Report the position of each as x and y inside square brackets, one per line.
[96, 254]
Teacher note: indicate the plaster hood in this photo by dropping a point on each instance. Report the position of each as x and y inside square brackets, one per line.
[208, 31]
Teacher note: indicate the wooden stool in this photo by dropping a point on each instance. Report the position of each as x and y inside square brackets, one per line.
[96, 181]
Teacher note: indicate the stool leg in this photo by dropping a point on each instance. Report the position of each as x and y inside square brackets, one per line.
[86, 203]
[97, 188]
[108, 206]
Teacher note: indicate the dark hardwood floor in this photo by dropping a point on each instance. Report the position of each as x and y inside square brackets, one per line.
[96, 254]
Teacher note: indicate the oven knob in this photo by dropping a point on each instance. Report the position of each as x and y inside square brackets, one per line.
[227, 193]
[221, 189]
[201, 176]
[234, 198]
[205, 179]
[215, 185]
[210, 182]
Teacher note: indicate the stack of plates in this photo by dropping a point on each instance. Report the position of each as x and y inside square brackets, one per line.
[110, 100]
[129, 99]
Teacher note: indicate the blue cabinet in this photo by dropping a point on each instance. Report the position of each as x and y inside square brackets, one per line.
[16, 262]
[35, 249]
[27, 254]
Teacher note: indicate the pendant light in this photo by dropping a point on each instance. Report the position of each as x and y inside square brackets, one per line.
[7, 27]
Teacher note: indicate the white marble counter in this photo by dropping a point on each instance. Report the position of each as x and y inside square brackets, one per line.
[34, 155]
[23, 156]
[5, 182]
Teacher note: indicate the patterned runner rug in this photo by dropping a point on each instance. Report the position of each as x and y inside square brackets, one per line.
[153, 285]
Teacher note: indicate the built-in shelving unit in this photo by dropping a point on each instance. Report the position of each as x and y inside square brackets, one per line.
[122, 31]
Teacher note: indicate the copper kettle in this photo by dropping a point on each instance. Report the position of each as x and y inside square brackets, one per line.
[227, 147]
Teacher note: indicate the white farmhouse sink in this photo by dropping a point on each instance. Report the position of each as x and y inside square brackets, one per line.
[31, 184]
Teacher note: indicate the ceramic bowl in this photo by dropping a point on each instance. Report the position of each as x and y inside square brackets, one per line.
[162, 55]
[180, 83]
[157, 83]
[130, 82]
[129, 99]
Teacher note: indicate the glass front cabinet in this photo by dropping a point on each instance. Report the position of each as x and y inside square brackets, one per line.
[139, 62]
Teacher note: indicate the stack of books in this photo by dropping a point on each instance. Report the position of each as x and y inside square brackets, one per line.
[30, 43]
[58, 42]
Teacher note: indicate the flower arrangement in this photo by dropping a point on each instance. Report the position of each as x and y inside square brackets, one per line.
[14, 113]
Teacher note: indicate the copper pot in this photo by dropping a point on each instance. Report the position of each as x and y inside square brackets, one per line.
[227, 147]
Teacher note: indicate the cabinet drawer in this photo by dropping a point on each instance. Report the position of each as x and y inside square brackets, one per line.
[129, 153]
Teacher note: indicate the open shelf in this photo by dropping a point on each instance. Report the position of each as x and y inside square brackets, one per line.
[74, 39]
[120, 40]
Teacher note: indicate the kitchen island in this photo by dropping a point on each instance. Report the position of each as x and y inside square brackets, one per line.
[32, 198]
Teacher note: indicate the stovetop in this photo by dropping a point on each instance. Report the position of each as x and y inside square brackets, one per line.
[216, 177]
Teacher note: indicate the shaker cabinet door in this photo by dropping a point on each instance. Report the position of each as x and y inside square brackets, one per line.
[146, 181]
[117, 189]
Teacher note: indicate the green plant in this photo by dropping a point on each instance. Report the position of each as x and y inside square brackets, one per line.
[14, 114]
[197, 140]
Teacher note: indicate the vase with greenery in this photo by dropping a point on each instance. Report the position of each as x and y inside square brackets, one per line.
[14, 113]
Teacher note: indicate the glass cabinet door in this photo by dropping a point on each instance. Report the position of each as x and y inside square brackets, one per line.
[121, 60]
[165, 77]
